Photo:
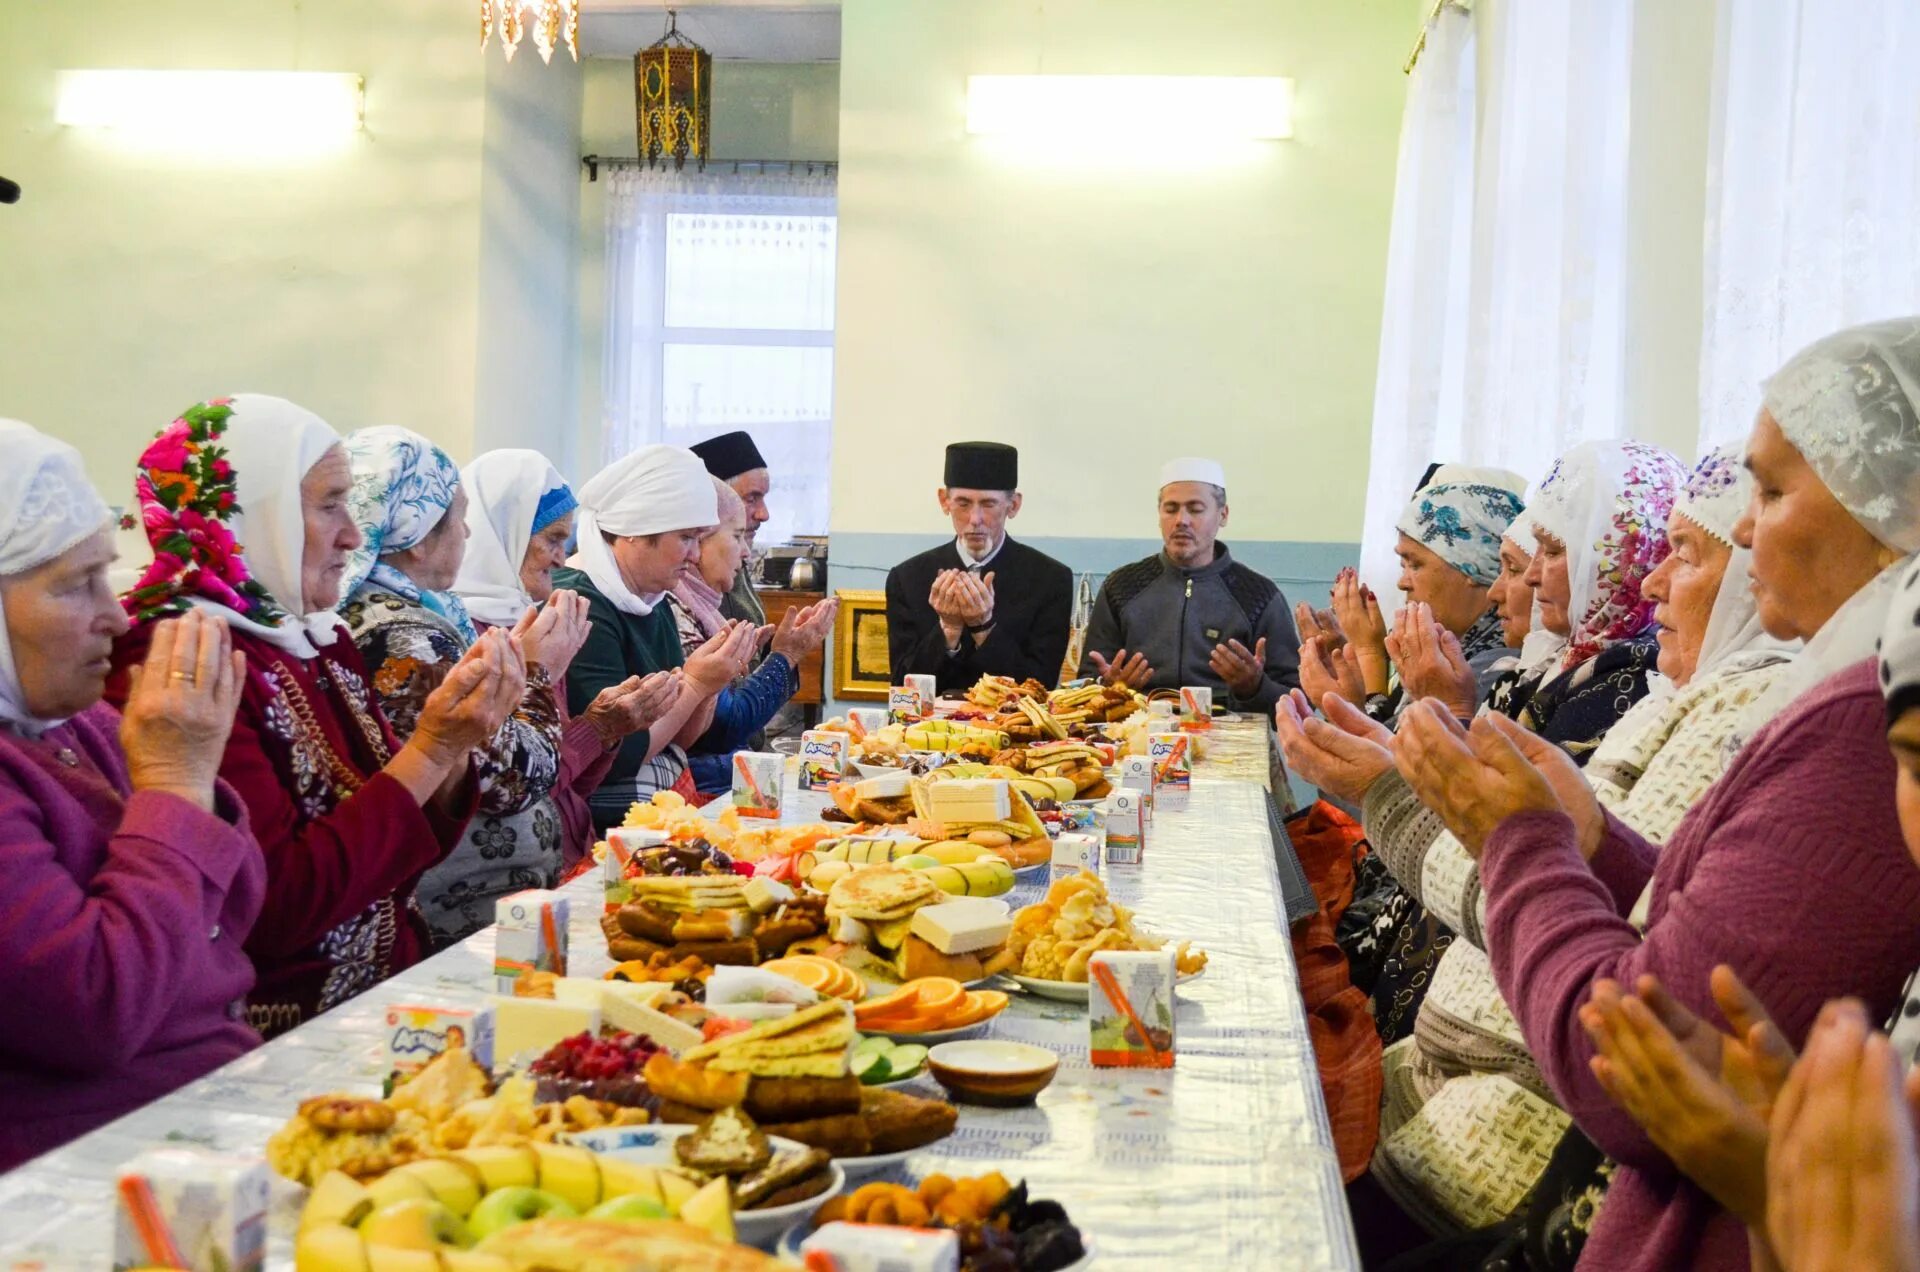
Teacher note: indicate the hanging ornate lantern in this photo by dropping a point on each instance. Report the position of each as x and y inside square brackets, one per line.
[673, 97]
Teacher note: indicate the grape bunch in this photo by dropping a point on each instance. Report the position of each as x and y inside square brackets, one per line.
[588, 1058]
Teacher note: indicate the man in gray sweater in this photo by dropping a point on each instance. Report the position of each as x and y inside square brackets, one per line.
[1191, 614]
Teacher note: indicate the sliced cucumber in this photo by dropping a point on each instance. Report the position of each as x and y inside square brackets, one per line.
[872, 1068]
[873, 1045]
[907, 1060]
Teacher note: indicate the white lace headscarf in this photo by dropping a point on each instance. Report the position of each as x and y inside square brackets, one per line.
[1850, 404]
[1539, 646]
[47, 506]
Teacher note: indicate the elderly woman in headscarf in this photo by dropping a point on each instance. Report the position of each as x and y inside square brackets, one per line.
[1463, 1088]
[131, 876]
[519, 516]
[1791, 870]
[412, 628]
[245, 501]
[750, 702]
[642, 519]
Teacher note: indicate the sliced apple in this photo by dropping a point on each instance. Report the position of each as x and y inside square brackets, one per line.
[626, 1179]
[330, 1249]
[384, 1258]
[394, 1186]
[338, 1199]
[711, 1210]
[455, 1184]
[415, 1225]
[569, 1173]
[501, 1166]
[676, 1190]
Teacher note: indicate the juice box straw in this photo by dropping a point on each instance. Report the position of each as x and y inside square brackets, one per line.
[1110, 984]
[155, 1236]
[551, 935]
[753, 786]
[1178, 753]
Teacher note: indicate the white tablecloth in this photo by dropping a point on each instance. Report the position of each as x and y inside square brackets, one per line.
[1223, 1163]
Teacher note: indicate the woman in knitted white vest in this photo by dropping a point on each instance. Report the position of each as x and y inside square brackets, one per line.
[1468, 1125]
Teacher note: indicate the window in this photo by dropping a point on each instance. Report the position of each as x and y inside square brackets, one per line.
[720, 305]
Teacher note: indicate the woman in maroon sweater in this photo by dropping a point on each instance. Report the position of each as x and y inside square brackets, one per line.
[1792, 870]
[244, 501]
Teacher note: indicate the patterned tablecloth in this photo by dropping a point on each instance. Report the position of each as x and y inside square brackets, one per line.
[1223, 1163]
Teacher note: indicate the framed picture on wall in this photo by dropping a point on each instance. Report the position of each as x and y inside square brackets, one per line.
[862, 667]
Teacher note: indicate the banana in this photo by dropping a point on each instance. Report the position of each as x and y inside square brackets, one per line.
[954, 852]
[987, 878]
[828, 873]
[870, 852]
[835, 851]
[948, 879]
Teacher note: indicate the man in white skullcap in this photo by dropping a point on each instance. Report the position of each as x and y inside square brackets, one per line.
[1191, 614]
[641, 522]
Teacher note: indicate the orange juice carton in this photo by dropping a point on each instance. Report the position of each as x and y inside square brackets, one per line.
[623, 843]
[1073, 853]
[863, 1247]
[1130, 1009]
[417, 1032]
[1171, 755]
[185, 1208]
[824, 757]
[925, 688]
[529, 935]
[757, 776]
[1126, 828]
[866, 720]
[1196, 707]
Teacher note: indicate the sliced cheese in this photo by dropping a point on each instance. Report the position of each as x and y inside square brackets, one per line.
[963, 925]
[646, 992]
[580, 991]
[884, 786]
[764, 895]
[638, 1018]
[523, 1026]
[970, 800]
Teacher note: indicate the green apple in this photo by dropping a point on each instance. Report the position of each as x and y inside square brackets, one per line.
[504, 1207]
[415, 1225]
[631, 1207]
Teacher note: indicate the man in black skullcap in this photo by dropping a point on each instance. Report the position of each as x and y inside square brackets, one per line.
[734, 459]
[981, 605]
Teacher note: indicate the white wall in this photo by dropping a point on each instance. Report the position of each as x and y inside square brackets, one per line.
[1104, 316]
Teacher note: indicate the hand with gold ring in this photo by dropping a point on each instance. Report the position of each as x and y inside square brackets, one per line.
[180, 707]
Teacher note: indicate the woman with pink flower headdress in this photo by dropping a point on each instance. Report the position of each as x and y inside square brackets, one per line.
[245, 501]
[123, 847]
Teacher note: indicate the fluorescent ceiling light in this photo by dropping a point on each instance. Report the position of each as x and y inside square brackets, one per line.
[1151, 109]
[278, 109]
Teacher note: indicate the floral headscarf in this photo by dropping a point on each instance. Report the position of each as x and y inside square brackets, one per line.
[1462, 524]
[402, 487]
[1608, 502]
[219, 493]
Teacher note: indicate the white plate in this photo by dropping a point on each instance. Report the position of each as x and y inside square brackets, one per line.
[789, 1247]
[652, 1145]
[938, 1035]
[1067, 991]
[861, 1167]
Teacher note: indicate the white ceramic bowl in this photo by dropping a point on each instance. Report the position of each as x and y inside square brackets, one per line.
[993, 1071]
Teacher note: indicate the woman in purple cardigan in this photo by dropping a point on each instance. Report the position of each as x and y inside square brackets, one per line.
[1791, 870]
[130, 877]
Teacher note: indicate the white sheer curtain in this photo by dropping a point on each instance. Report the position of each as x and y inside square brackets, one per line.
[1813, 187]
[1418, 392]
[1505, 329]
[720, 306]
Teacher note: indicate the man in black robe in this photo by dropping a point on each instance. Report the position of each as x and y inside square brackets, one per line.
[981, 605]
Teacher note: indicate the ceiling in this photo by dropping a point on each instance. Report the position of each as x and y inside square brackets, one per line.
[731, 30]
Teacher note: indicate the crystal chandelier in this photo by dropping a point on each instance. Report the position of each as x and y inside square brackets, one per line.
[550, 20]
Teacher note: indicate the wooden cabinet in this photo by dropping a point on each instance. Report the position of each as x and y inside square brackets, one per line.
[778, 601]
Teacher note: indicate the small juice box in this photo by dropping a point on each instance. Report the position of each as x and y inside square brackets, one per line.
[529, 935]
[1171, 757]
[1137, 773]
[926, 688]
[1130, 1009]
[823, 758]
[417, 1032]
[184, 1208]
[1196, 706]
[1073, 853]
[903, 705]
[757, 776]
[859, 1247]
[622, 843]
[1126, 828]
[1082, 817]
[866, 720]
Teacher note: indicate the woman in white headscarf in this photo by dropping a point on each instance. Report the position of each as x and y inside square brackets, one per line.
[519, 517]
[1791, 869]
[245, 501]
[642, 519]
[122, 847]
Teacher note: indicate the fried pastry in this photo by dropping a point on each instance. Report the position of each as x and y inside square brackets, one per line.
[844, 1135]
[897, 1121]
[802, 1099]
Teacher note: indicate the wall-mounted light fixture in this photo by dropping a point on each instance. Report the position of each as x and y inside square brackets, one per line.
[1158, 111]
[277, 110]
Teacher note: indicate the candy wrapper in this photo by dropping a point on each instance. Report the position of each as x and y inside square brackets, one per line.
[416, 1033]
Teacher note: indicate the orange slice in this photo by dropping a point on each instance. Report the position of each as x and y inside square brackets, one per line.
[938, 993]
[980, 1005]
[900, 1000]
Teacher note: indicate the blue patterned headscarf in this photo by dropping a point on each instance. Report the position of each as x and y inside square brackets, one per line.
[402, 487]
[1462, 524]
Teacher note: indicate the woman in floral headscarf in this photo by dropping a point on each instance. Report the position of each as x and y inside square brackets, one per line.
[411, 627]
[1791, 869]
[245, 503]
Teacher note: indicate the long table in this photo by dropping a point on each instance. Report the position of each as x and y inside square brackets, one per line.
[1225, 1162]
